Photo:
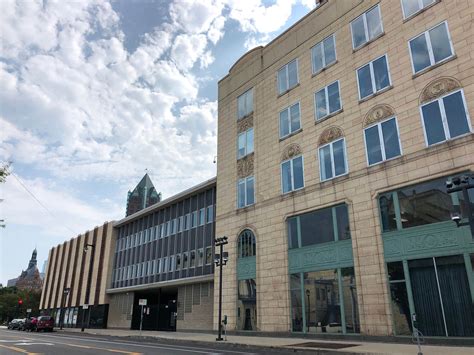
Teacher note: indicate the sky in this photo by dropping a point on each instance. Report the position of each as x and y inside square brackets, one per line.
[94, 93]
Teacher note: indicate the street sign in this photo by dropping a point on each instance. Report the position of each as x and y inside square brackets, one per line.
[142, 302]
[85, 306]
[28, 310]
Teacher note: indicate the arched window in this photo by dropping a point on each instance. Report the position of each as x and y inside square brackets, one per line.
[247, 243]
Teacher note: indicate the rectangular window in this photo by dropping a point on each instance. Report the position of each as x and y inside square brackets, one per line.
[185, 260]
[194, 219]
[187, 220]
[366, 27]
[200, 254]
[171, 263]
[323, 54]
[327, 100]
[288, 76]
[160, 263]
[431, 47]
[382, 141]
[290, 120]
[321, 226]
[332, 159]
[180, 224]
[246, 192]
[411, 7]
[245, 104]
[173, 226]
[202, 216]
[192, 258]
[178, 262]
[373, 77]
[209, 256]
[210, 214]
[445, 118]
[292, 174]
[245, 143]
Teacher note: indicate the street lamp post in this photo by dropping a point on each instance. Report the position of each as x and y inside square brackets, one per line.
[89, 278]
[220, 260]
[461, 183]
[61, 316]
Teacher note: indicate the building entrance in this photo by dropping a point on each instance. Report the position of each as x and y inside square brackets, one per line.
[160, 311]
[441, 296]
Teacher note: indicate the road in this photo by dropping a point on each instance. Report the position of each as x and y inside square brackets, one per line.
[16, 342]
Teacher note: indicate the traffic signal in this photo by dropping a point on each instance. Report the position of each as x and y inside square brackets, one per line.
[20, 302]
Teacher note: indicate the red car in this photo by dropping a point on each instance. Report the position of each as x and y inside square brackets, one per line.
[45, 323]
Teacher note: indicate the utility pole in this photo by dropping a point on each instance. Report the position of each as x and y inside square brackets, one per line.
[220, 260]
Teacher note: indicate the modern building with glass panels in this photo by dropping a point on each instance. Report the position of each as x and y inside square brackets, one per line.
[335, 142]
[164, 254]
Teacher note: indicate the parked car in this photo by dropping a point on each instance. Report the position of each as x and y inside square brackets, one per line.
[21, 322]
[14, 323]
[45, 323]
[30, 324]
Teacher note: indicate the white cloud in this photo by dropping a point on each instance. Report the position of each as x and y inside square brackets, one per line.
[187, 49]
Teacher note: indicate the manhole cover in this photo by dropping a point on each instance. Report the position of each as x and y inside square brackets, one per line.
[324, 345]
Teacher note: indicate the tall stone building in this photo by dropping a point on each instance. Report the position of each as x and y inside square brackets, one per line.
[335, 141]
[30, 278]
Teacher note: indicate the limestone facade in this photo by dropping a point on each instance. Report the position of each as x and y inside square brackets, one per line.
[360, 187]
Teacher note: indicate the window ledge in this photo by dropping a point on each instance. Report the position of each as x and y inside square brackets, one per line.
[245, 209]
[246, 156]
[420, 11]
[325, 68]
[449, 140]
[287, 91]
[334, 180]
[318, 121]
[434, 66]
[244, 117]
[291, 134]
[368, 42]
[384, 163]
[292, 193]
[375, 94]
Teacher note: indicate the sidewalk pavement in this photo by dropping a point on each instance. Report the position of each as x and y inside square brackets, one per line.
[352, 347]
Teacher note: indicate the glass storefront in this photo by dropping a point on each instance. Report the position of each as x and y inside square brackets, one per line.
[324, 301]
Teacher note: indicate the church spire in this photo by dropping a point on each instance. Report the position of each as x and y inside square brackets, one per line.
[33, 260]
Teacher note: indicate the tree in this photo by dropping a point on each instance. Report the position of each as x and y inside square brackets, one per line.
[4, 171]
[9, 308]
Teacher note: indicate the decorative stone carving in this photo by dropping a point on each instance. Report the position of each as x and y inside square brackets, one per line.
[438, 88]
[291, 151]
[245, 166]
[378, 113]
[245, 123]
[330, 134]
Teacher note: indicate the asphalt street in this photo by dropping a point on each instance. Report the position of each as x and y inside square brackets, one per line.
[16, 342]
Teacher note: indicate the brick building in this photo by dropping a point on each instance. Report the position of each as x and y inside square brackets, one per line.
[335, 141]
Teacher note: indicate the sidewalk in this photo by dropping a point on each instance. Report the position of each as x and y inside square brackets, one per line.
[345, 347]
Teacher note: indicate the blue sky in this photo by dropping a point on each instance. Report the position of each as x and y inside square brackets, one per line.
[95, 92]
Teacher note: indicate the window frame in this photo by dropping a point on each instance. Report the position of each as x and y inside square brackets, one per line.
[246, 149]
[430, 48]
[245, 196]
[333, 166]
[287, 108]
[421, 9]
[285, 67]
[325, 65]
[292, 174]
[372, 78]
[326, 97]
[444, 119]
[382, 144]
[366, 29]
[243, 95]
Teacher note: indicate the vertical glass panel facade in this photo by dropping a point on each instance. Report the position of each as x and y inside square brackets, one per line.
[326, 303]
